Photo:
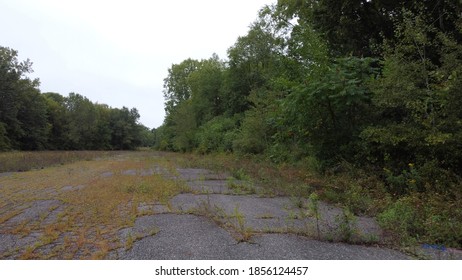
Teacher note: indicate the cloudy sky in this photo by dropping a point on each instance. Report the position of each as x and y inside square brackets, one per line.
[118, 52]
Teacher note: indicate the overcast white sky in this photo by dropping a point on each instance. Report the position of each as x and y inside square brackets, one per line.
[118, 52]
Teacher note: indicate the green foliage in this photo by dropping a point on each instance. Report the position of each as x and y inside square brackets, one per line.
[206, 84]
[314, 211]
[217, 135]
[252, 137]
[240, 174]
[431, 219]
[357, 199]
[415, 121]
[176, 86]
[330, 110]
[441, 220]
[254, 60]
[126, 131]
[403, 183]
[162, 137]
[4, 141]
[401, 218]
[32, 116]
[147, 136]
[261, 123]
[184, 127]
[347, 225]
[357, 27]
[82, 121]
[351, 26]
[30, 120]
[22, 108]
[58, 118]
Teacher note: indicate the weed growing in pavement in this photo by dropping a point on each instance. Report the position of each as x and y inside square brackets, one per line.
[240, 188]
[371, 239]
[129, 241]
[298, 192]
[29, 252]
[314, 211]
[245, 232]
[235, 222]
[267, 216]
[239, 174]
[347, 225]
[291, 215]
[298, 201]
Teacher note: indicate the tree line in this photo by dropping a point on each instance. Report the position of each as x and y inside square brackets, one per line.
[31, 120]
[375, 84]
[365, 81]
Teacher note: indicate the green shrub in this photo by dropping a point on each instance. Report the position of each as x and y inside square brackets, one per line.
[405, 182]
[252, 137]
[431, 219]
[401, 218]
[428, 178]
[442, 220]
[217, 135]
[358, 199]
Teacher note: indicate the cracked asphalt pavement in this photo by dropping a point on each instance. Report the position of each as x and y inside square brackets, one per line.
[221, 218]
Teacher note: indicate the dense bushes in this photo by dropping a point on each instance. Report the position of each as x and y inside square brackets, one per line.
[432, 220]
[217, 135]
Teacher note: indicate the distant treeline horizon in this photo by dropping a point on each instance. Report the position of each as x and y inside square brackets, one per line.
[31, 120]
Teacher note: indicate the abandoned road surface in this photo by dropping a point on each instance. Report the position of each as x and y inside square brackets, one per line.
[145, 207]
